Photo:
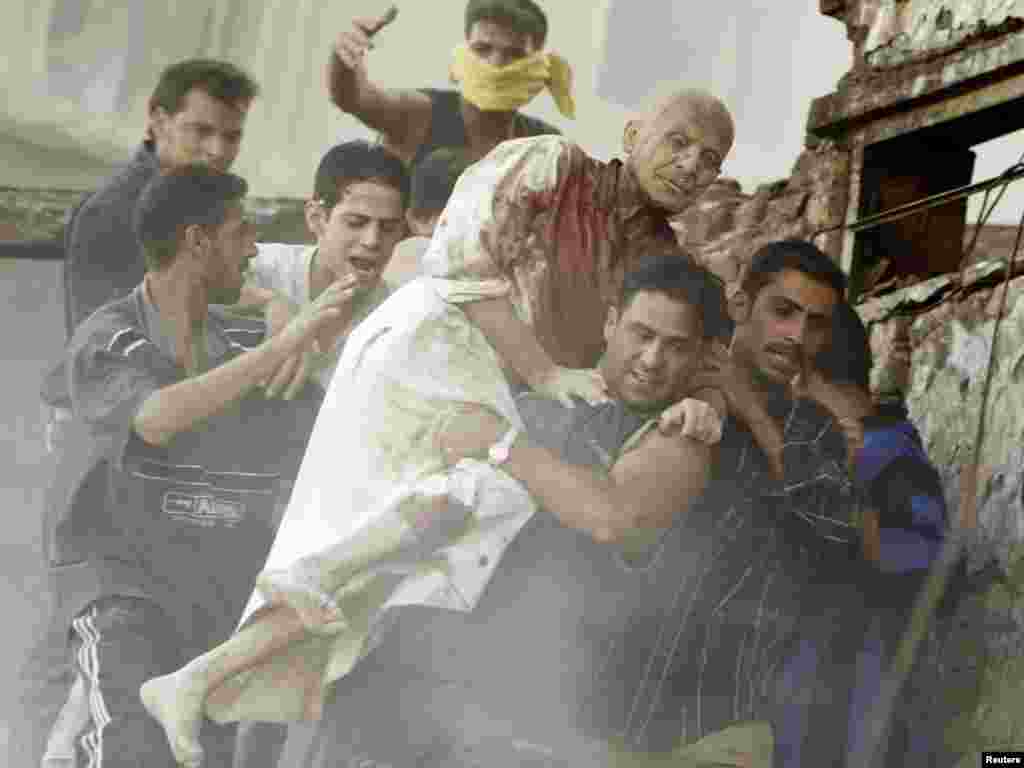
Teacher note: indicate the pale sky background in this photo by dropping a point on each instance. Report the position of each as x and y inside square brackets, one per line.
[994, 157]
[76, 74]
[766, 59]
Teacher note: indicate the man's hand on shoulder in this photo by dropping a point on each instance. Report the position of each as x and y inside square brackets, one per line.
[845, 401]
[720, 372]
[692, 418]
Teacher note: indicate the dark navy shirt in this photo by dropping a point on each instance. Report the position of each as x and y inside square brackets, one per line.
[103, 258]
[447, 128]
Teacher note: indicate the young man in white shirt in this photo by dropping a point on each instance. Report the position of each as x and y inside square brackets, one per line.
[357, 215]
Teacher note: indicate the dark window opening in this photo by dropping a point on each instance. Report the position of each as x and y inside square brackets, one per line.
[917, 165]
[919, 246]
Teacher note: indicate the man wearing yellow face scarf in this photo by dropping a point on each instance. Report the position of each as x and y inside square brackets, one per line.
[499, 68]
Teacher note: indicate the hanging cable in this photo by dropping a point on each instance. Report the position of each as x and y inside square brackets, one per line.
[1011, 174]
[985, 213]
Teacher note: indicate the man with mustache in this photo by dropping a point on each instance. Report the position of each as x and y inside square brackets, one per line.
[500, 67]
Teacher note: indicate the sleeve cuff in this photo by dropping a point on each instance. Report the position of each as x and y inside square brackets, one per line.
[466, 291]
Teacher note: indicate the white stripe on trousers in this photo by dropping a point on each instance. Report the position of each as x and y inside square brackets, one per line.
[88, 659]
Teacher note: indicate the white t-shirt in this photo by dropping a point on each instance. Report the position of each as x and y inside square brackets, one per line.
[284, 268]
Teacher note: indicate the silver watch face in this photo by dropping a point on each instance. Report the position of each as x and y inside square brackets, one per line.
[498, 453]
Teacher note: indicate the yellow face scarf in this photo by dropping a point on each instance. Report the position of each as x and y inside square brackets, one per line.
[503, 89]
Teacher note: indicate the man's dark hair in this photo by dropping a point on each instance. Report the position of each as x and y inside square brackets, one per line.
[220, 79]
[433, 180]
[523, 16]
[799, 255]
[172, 201]
[356, 161]
[675, 276]
[847, 359]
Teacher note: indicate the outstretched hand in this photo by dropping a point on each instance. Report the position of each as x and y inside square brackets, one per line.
[720, 371]
[330, 305]
[352, 44]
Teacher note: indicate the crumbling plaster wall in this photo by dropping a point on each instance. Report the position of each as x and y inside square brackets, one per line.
[726, 227]
[891, 32]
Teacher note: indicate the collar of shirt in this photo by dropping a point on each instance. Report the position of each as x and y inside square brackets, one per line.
[146, 154]
[629, 197]
[619, 190]
[217, 344]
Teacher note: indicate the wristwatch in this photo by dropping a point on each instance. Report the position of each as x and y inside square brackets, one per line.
[498, 453]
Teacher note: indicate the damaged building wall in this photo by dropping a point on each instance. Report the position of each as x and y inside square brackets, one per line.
[888, 32]
[726, 226]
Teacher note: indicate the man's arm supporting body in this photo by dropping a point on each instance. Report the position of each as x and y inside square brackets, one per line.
[646, 488]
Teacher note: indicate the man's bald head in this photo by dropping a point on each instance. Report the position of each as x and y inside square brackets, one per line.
[703, 108]
[676, 147]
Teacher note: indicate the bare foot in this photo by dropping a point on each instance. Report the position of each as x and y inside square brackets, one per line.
[315, 608]
[176, 702]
